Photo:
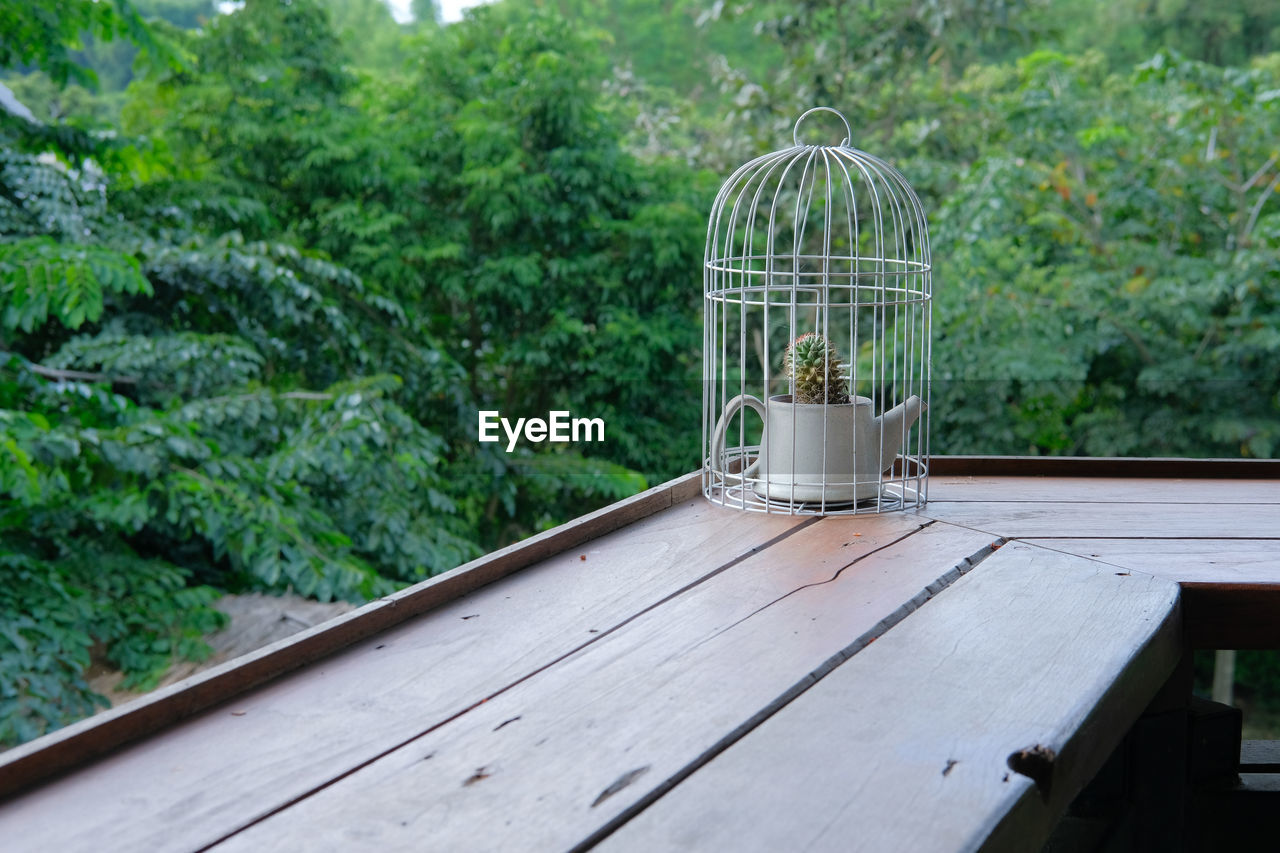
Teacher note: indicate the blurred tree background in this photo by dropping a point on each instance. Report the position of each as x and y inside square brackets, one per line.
[262, 264]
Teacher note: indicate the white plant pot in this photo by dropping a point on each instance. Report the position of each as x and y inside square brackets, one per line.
[816, 452]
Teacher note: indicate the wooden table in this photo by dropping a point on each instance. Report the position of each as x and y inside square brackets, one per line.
[665, 674]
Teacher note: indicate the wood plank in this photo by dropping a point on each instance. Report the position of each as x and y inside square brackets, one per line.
[1057, 519]
[1102, 490]
[1211, 561]
[1260, 756]
[906, 746]
[191, 785]
[1230, 587]
[1103, 466]
[24, 765]
[555, 759]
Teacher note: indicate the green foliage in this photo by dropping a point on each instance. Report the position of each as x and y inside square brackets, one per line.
[262, 100]
[249, 490]
[1227, 32]
[44, 32]
[1258, 674]
[73, 579]
[815, 371]
[425, 12]
[566, 267]
[40, 280]
[54, 611]
[676, 45]
[187, 14]
[40, 196]
[50, 102]
[71, 41]
[1111, 272]
[526, 208]
[164, 368]
[1104, 270]
[368, 33]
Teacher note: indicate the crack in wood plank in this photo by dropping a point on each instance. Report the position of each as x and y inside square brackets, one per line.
[835, 577]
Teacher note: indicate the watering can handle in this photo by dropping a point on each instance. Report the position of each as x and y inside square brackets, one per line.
[717, 441]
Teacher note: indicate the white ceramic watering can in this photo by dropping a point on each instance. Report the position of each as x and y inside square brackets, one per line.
[813, 452]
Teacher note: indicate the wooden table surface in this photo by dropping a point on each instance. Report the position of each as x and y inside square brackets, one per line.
[666, 674]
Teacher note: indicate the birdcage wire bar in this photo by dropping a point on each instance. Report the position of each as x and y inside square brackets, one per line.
[831, 240]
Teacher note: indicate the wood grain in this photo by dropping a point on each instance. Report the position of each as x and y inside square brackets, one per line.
[906, 746]
[191, 785]
[554, 760]
[1102, 490]
[1230, 587]
[1058, 519]
[1211, 561]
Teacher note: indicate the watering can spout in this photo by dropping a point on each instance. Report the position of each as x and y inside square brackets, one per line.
[893, 426]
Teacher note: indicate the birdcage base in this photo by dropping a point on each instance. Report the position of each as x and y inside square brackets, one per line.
[743, 498]
[893, 495]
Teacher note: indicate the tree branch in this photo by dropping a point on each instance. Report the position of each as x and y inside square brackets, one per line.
[1257, 208]
[80, 375]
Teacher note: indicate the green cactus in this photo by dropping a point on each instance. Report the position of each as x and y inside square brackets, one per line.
[814, 369]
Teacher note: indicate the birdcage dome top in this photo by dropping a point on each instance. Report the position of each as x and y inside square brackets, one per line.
[819, 214]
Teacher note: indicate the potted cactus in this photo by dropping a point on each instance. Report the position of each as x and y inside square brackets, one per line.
[814, 371]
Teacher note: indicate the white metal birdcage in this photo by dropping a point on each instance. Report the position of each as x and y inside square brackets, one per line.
[819, 240]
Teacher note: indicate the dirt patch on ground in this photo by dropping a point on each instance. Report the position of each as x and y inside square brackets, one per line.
[256, 621]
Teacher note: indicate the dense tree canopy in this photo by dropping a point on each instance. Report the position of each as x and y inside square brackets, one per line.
[255, 290]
